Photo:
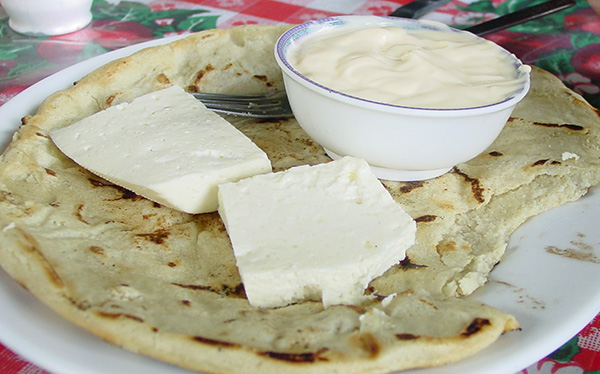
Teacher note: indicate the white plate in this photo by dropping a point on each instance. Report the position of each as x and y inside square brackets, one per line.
[552, 296]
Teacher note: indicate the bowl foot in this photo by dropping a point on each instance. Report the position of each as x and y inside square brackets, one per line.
[399, 175]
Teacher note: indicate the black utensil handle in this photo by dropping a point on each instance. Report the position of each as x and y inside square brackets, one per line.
[520, 16]
[418, 8]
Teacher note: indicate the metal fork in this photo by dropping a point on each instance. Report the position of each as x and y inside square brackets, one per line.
[267, 105]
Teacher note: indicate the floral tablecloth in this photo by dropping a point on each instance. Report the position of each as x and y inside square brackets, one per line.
[566, 43]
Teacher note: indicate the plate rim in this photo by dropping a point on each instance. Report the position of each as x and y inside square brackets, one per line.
[27, 102]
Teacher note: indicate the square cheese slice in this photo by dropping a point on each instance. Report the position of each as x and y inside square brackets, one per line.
[166, 146]
[313, 232]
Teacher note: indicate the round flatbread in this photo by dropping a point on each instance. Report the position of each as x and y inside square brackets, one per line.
[164, 283]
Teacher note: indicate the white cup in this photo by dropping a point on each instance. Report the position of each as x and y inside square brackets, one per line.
[47, 17]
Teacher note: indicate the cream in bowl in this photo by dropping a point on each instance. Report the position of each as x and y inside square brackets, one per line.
[412, 98]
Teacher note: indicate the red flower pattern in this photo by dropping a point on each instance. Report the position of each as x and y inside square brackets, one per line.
[10, 92]
[584, 19]
[587, 61]
[108, 34]
[529, 47]
[589, 343]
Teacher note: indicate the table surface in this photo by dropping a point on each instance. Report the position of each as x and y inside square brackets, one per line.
[566, 43]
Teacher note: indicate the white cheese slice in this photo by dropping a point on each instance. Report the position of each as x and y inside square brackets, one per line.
[313, 232]
[165, 146]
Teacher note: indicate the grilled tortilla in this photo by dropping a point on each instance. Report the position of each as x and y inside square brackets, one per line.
[164, 283]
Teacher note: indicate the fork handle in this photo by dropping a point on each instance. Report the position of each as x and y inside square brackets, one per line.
[520, 16]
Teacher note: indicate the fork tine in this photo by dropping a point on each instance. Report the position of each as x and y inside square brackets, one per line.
[269, 105]
[261, 110]
[235, 97]
[258, 106]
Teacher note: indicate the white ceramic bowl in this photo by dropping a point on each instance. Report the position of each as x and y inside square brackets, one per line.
[400, 143]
